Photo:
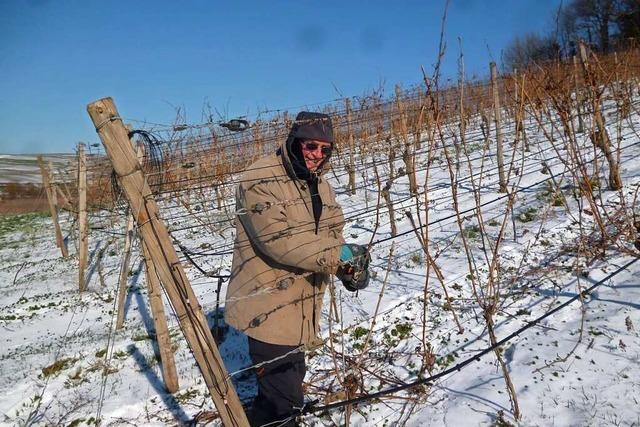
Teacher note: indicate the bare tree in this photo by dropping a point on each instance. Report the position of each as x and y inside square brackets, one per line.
[628, 21]
[531, 48]
[595, 21]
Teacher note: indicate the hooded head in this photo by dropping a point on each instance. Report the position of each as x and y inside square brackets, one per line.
[308, 126]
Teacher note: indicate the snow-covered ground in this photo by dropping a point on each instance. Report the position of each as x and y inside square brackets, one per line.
[579, 366]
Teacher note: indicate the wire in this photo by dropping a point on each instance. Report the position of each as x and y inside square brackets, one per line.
[429, 380]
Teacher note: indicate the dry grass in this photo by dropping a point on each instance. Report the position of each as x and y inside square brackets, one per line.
[17, 198]
[25, 205]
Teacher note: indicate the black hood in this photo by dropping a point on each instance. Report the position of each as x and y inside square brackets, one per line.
[308, 125]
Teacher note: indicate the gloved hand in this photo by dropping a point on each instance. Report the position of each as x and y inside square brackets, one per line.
[354, 268]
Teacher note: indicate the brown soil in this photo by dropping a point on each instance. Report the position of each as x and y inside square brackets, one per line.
[19, 206]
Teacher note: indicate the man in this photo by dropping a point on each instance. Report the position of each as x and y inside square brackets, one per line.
[288, 243]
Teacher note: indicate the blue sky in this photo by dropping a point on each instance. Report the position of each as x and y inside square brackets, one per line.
[239, 57]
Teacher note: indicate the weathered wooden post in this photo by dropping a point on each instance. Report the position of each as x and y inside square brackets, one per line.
[258, 140]
[463, 124]
[126, 257]
[83, 244]
[387, 200]
[59, 191]
[600, 136]
[54, 188]
[419, 124]
[407, 154]
[578, 90]
[351, 167]
[169, 373]
[154, 233]
[391, 155]
[46, 182]
[519, 110]
[124, 271]
[64, 199]
[66, 204]
[497, 121]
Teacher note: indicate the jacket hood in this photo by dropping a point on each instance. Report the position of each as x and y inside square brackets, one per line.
[308, 125]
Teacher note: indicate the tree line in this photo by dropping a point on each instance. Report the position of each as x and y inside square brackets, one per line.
[606, 25]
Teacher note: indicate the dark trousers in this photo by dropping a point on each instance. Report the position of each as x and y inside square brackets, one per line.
[279, 383]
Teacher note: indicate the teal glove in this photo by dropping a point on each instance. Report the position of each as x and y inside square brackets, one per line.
[346, 253]
[354, 271]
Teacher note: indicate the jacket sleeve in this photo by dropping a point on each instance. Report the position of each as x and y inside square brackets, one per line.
[277, 237]
[336, 217]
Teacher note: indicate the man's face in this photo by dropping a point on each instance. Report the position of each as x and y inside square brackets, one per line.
[314, 153]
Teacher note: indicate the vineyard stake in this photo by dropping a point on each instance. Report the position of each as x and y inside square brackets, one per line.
[163, 339]
[51, 198]
[351, 168]
[82, 217]
[497, 121]
[172, 277]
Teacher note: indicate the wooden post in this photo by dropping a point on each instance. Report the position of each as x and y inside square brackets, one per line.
[63, 201]
[392, 156]
[616, 73]
[126, 257]
[54, 190]
[497, 121]
[519, 110]
[407, 155]
[154, 233]
[600, 136]
[63, 191]
[417, 131]
[523, 130]
[124, 271]
[83, 248]
[351, 168]
[584, 61]
[463, 125]
[516, 107]
[485, 126]
[392, 216]
[258, 140]
[578, 90]
[169, 373]
[52, 206]
[66, 204]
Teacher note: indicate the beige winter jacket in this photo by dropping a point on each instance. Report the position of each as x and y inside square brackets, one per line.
[281, 264]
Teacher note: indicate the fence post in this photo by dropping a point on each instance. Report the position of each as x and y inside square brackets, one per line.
[154, 233]
[46, 182]
[66, 204]
[169, 373]
[391, 155]
[351, 167]
[600, 136]
[407, 155]
[417, 132]
[83, 249]
[54, 190]
[126, 257]
[124, 271]
[462, 125]
[497, 121]
[387, 200]
[578, 90]
[519, 110]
